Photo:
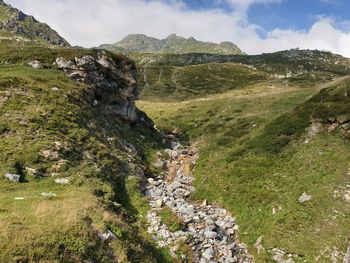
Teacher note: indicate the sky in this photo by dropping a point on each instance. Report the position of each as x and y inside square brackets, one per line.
[256, 26]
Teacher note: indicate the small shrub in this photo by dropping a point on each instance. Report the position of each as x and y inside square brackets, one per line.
[170, 219]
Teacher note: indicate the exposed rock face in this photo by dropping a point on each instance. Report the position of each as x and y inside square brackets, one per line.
[113, 80]
[26, 26]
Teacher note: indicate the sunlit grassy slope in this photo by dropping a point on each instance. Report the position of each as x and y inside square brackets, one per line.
[194, 81]
[44, 110]
[253, 160]
[174, 77]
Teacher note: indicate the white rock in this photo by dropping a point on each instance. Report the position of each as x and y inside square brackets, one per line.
[208, 253]
[347, 196]
[35, 64]
[304, 198]
[65, 180]
[13, 177]
[159, 203]
[48, 195]
[106, 236]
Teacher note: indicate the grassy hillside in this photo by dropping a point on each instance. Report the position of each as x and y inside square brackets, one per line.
[186, 76]
[257, 159]
[181, 83]
[50, 130]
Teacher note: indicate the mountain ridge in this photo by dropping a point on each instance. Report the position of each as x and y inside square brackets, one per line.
[142, 43]
[16, 25]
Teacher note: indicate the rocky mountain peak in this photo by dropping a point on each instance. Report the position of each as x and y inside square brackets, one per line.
[16, 25]
[172, 44]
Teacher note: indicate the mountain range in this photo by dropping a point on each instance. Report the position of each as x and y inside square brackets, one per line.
[172, 44]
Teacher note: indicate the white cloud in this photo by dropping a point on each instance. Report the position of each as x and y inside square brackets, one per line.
[244, 4]
[91, 22]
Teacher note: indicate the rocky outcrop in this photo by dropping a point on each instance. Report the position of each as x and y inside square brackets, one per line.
[113, 81]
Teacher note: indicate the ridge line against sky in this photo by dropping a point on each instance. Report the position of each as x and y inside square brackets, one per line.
[256, 26]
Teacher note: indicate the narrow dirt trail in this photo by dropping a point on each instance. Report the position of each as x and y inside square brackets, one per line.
[209, 231]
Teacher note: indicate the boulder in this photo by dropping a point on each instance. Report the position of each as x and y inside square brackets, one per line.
[48, 195]
[315, 128]
[13, 177]
[64, 64]
[65, 180]
[208, 254]
[35, 64]
[159, 164]
[304, 198]
[108, 236]
[343, 118]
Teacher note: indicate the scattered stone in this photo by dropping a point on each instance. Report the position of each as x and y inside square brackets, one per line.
[343, 118]
[208, 230]
[208, 254]
[35, 64]
[55, 89]
[347, 196]
[108, 236]
[65, 180]
[159, 203]
[65, 64]
[347, 256]
[19, 198]
[50, 154]
[315, 128]
[258, 244]
[279, 256]
[159, 164]
[304, 198]
[48, 195]
[13, 177]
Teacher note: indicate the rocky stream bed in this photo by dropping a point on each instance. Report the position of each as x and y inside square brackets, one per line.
[209, 231]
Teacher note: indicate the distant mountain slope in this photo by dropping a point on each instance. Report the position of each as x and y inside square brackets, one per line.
[185, 76]
[172, 44]
[16, 25]
[283, 63]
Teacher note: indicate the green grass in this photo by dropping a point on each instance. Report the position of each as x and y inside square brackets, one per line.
[35, 118]
[182, 83]
[170, 219]
[253, 159]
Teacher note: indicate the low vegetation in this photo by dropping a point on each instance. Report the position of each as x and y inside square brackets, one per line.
[257, 159]
[182, 83]
[49, 130]
[170, 219]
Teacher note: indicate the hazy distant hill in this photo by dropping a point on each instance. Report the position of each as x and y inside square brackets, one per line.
[172, 44]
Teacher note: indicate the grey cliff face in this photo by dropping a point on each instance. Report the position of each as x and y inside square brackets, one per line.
[113, 81]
